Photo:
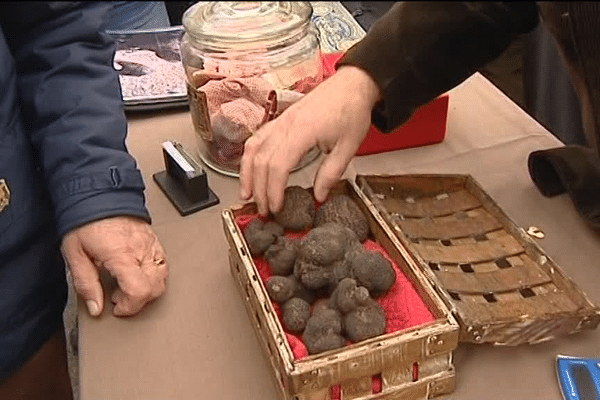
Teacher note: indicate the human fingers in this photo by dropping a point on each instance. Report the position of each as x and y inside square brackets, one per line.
[331, 170]
[156, 272]
[85, 276]
[260, 163]
[280, 163]
[251, 147]
[156, 269]
[259, 182]
[135, 288]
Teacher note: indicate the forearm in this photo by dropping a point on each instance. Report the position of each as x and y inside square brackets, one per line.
[71, 104]
[419, 50]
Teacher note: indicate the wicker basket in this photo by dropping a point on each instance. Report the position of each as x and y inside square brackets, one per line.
[392, 357]
[481, 276]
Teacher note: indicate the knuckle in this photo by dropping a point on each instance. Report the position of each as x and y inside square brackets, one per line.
[260, 162]
[276, 167]
[251, 144]
[140, 294]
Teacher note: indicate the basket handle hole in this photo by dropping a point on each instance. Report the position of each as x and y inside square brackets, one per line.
[434, 266]
[466, 268]
[526, 292]
[335, 391]
[503, 263]
[415, 372]
[490, 298]
[480, 238]
[454, 295]
[376, 384]
[446, 242]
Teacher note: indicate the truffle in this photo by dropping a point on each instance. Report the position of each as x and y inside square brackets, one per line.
[311, 275]
[281, 288]
[281, 256]
[340, 270]
[296, 313]
[257, 238]
[326, 244]
[323, 331]
[373, 271]
[273, 228]
[320, 305]
[303, 292]
[365, 322]
[343, 210]
[347, 296]
[298, 209]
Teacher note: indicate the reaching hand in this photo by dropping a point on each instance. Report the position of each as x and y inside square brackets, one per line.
[335, 116]
[129, 250]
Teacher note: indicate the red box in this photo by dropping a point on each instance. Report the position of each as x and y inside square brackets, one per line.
[426, 126]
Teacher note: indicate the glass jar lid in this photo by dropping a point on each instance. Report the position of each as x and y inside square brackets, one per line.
[245, 24]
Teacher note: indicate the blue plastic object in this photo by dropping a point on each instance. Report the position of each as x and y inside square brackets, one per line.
[579, 377]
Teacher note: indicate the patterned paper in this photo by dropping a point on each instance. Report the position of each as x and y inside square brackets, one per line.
[337, 27]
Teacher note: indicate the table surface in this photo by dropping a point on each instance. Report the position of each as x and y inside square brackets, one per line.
[196, 342]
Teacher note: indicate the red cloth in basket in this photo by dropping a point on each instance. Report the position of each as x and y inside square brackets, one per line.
[403, 306]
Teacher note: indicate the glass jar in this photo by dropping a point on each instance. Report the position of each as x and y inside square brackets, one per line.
[245, 62]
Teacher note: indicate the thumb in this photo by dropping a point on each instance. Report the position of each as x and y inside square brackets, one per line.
[330, 171]
[86, 279]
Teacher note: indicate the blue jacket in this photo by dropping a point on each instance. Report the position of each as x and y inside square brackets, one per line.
[63, 159]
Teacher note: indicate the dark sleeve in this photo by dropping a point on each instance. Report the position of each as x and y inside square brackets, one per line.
[72, 108]
[419, 50]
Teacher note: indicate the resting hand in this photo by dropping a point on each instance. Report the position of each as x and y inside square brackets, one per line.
[129, 250]
[335, 116]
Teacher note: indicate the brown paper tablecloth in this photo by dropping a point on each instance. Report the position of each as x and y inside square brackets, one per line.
[197, 342]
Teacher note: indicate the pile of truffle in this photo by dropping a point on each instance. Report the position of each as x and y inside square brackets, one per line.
[325, 282]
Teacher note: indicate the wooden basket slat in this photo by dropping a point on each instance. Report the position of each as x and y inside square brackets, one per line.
[488, 312]
[477, 252]
[397, 375]
[374, 357]
[415, 391]
[449, 227]
[420, 185]
[529, 331]
[435, 365]
[497, 281]
[444, 204]
[356, 388]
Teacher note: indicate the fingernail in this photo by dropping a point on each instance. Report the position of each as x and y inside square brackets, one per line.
[93, 308]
